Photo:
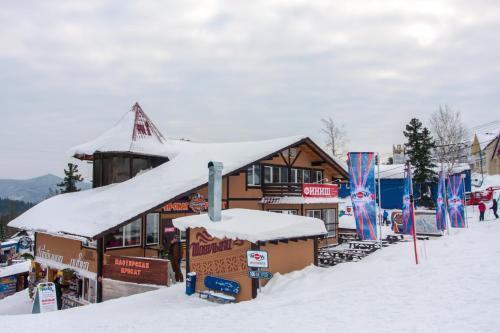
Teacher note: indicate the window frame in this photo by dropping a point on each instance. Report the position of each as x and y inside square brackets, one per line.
[253, 167]
[335, 223]
[123, 236]
[315, 210]
[157, 229]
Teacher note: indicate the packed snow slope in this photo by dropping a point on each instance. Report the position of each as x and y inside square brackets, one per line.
[454, 289]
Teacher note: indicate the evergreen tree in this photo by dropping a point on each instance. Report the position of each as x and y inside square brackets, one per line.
[419, 149]
[70, 179]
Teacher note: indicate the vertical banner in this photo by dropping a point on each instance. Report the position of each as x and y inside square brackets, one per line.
[440, 203]
[362, 184]
[456, 201]
[407, 209]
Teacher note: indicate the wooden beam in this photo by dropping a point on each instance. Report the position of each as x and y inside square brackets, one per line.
[100, 262]
[317, 163]
[284, 241]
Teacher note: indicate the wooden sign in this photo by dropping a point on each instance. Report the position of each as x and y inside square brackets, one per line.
[137, 270]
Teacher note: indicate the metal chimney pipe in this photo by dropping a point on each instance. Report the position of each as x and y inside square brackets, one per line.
[215, 190]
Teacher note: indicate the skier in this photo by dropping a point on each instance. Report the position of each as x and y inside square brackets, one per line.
[482, 209]
[386, 217]
[494, 207]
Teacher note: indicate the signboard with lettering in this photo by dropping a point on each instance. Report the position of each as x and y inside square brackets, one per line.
[320, 190]
[195, 203]
[137, 270]
[257, 259]
[220, 284]
[260, 275]
[45, 298]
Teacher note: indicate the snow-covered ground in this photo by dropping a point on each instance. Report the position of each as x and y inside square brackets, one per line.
[454, 289]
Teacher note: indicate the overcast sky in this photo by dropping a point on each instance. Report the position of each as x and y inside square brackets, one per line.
[238, 70]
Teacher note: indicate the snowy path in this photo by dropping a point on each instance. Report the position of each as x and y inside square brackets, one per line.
[456, 289]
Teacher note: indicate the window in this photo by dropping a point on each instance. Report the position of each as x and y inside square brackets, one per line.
[89, 243]
[275, 174]
[286, 211]
[300, 176]
[129, 235]
[330, 219]
[316, 213]
[152, 228]
[318, 176]
[253, 175]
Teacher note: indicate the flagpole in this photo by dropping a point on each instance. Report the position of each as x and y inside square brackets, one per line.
[379, 200]
[412, 207]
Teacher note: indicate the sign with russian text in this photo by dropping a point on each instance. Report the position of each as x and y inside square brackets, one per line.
[257, 259]
[45, 298]
[362, 184]
[195, 203]
[260, 275]
[137, 270]
[320, 190]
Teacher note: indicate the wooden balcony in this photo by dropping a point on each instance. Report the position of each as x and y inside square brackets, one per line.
[282, 189]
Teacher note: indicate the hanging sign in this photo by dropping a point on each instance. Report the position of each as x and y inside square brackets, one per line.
[260, 275]
[45, 298]
[440, 203]
[320, 190]
[407, 208]
[456, 201]
[257, 259]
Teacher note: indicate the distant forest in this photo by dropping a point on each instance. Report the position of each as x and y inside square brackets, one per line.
[9, 209]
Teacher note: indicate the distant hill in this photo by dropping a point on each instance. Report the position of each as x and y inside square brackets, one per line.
[33, 190]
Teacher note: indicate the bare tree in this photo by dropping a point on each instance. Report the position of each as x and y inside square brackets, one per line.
[450, 135]
[335, 136]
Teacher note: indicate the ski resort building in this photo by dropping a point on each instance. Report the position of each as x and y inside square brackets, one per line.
[120, 231]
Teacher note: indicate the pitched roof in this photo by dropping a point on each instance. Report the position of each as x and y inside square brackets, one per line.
[134, 133]
[254, 225]
[92, 212]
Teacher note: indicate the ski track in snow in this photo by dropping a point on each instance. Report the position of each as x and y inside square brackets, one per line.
[454, 289]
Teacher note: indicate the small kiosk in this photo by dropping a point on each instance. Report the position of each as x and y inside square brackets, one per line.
[221, 249]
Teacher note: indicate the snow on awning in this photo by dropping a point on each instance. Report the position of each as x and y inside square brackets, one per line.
[254, 225]
[14, 269]
[299, 200]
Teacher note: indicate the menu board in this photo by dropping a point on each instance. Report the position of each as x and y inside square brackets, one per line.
[7, 286]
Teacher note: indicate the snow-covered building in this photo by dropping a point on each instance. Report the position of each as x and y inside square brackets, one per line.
[143, 181]
[485, 153]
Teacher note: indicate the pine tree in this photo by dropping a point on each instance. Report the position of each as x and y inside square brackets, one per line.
[70, 179]
[419, 149]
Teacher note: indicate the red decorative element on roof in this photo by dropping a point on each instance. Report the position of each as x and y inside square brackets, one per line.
[143, 126]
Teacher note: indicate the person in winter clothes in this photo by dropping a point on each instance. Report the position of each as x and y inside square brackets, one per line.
[57, 284]
[175, 257]
[386, 217]
[482, 209]
[494, 207]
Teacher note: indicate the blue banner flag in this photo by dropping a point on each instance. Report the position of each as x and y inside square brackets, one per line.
[407, 209]
[440, 203]
[362, 184]
[456, 201]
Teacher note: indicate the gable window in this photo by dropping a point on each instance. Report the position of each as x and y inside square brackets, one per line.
[275, 174]
[253, 175]
[152, 228]
[318, 176]
[128, 235]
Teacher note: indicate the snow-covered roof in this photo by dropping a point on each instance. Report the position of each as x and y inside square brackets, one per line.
[254, 225]
[485, 139]
[134, 133]
[89, 213]
[15, 268]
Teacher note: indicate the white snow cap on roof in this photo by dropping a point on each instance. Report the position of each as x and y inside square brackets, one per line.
[254, 225]
[134, 133]
[91, 212]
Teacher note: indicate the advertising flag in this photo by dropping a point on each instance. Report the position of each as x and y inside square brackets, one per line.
[362, 184]
[407, 213]
[440, 204]
[456, 201]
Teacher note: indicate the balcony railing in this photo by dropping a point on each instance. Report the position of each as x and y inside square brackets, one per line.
[282, 189]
